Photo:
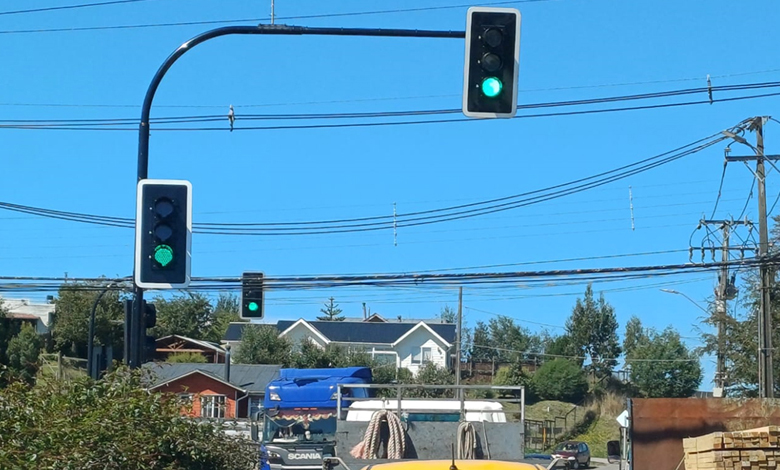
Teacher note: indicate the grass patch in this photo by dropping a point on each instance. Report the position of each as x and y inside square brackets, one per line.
[601, 431]
[548, 410]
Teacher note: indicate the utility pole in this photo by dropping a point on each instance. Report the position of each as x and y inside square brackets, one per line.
[720, 312]
[273, 12]
[766, 376]
[458, 339]
[765, 366]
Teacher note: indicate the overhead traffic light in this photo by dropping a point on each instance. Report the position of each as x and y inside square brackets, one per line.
[252, 295]
[492, 62]
[163, 231]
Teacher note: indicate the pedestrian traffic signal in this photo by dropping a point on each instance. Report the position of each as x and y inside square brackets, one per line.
[252, 295]
[491, 67]
[163, 231]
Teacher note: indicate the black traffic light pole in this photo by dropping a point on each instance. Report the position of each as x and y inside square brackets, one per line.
[143, 131]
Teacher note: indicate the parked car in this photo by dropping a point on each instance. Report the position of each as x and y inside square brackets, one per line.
[576, 453]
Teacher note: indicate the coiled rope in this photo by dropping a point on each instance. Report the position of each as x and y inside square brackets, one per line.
[466, 439]
[369, 448]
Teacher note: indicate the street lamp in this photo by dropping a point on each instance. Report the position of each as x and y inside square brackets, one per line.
[672, 291]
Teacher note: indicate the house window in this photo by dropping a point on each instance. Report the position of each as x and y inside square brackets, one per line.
[213, 406]
[427, 355]
[422, 356]
[255, 406]
[186, 398]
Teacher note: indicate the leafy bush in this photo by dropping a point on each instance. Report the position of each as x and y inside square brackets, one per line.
[111, 424]
[187, 358]
[561, 380]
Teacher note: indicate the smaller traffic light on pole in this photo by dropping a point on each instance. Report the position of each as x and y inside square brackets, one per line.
[149, 347]
[252, 296]
[492, 62]
[163, 231]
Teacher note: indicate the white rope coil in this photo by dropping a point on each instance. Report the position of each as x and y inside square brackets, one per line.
[466, 439]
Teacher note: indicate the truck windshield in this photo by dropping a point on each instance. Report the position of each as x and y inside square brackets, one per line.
[299, 428]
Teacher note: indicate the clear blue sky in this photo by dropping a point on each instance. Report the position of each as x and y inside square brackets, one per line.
[569, 50]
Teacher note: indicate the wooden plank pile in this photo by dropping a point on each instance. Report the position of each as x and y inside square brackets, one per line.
[753, 449]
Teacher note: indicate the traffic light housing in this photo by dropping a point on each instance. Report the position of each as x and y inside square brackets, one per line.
[252, 304]
[492, 62]
[149, 320]
[163, 230]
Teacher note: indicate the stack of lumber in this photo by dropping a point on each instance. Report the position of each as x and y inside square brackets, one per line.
[753, 449]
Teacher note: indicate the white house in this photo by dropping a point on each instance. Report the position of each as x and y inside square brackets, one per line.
[405, 344]
[38, 314]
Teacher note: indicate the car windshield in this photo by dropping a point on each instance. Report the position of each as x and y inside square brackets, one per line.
[567, 447]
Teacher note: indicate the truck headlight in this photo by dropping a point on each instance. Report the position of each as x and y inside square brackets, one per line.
[274, 396]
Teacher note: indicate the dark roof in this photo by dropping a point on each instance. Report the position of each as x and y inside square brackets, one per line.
[250, 377]
[361, 332]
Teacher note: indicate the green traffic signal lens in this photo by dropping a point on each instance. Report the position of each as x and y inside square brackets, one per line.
[491, 87]
[163, 254]
[253, 307]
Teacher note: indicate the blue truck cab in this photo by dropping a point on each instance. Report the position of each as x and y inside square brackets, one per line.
[300, 413]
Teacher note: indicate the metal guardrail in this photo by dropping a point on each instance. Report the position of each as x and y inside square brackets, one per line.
[461, 397]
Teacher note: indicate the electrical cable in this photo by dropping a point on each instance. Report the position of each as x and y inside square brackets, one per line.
[107, 124]
[403, 220]
[70, 7]
[46, 123]
[251, 20]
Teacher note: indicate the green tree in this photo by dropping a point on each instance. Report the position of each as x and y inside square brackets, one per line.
[592, 328]
[261, 344]
[331, 311]
[512, 375]
[635, 335]
[481, 346]
[73, 305]
[5, 331]
[112, 424]
[559, 346]
[226, 311]
[448, 315]
[187, 358]
[23, 351]
[560, 379]
[187, 314]
[513, 343]
[663, 367]
[431, 374]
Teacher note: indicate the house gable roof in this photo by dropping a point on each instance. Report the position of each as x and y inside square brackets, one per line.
[425, 326]
[252, 378]
[202, 344]
[380, 333]
[306, 325]
[195, 372]
[355, 332]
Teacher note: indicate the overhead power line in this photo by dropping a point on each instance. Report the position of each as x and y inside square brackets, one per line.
[70, 7]
[415, 280]
[418, 218]
[249, 20]
[130, 124]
